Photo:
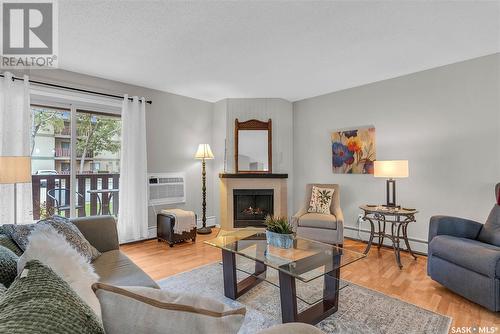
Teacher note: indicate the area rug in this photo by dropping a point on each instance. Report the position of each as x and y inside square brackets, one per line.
[361, 310]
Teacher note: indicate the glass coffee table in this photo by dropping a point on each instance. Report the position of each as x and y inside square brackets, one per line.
[306, 261]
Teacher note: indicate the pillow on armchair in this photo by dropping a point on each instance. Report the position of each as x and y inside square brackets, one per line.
[321, 200]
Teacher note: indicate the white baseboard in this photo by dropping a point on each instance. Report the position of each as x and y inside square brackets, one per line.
[151, 232]
[211, 221]
[418, 245]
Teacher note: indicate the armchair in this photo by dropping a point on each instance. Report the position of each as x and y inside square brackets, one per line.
[464, 256]
[320, 227]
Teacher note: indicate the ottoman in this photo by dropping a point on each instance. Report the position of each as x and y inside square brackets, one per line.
[165, 230]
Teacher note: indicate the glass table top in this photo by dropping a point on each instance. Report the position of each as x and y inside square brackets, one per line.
[306, 260]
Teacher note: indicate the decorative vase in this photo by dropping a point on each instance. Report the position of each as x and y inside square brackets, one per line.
[279, 240]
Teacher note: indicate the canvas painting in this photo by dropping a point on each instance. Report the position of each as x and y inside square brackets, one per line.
[353, 151]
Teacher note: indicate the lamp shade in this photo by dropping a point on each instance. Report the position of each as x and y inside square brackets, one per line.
[204, 152]
[15, 170]
[391, 168]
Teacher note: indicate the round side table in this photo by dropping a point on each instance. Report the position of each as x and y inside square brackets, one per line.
[398, 218]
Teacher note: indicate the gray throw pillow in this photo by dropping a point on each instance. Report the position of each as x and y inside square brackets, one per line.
[8, 266]
[149, 310]
[7, 242]
[41, 302]
[490, 233]
[20, 234]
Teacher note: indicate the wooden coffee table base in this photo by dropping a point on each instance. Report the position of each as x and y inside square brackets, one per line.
[288, 294]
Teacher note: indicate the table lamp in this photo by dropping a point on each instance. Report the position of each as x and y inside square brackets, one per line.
[204, 153]
[391, 169]
[14, 170]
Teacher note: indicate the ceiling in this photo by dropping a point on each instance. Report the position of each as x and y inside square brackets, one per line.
[212, 50]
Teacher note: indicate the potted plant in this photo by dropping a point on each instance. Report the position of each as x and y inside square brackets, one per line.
[279, 232]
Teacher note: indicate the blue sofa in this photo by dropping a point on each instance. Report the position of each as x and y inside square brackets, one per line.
[464, 256]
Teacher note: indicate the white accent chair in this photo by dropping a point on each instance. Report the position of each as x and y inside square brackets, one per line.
[327, 228]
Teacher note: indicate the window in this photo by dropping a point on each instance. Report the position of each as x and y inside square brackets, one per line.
[93, 152]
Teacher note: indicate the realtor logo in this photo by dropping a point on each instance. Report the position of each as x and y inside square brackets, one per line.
[29, 34]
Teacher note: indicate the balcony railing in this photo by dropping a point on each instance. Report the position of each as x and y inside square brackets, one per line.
[87, 204]
[66, 131]
[60, 152]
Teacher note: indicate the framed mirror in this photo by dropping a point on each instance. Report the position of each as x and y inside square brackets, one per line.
[253, 146]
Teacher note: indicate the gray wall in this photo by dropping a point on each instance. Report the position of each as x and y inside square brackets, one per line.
[279, 110]
[445, 121]
[175, 126]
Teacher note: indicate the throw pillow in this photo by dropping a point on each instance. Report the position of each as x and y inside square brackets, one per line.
[321, 200]
[20, 234]
[490, 232]
[7, 242]
[154, 311]
[39, 302]
[8, 271]
[51, 248]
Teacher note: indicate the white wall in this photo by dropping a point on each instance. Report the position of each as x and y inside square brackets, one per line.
[262, 109]
[175, 126]
[445, 121]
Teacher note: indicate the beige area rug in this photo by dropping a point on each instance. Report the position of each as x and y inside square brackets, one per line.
[361, 310]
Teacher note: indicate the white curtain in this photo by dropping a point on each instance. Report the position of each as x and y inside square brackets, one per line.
[15, 135]
[133, 211]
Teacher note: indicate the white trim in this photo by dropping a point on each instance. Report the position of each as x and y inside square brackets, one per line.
[72, 171]
[211, 221]
[43, 95]
[419, 245]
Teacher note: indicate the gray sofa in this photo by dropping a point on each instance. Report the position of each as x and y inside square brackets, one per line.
[114, 267]
[464, 256]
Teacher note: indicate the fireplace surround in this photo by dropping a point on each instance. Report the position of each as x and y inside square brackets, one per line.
[232, 183]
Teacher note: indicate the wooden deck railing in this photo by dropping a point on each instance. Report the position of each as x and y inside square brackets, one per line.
[87, 204]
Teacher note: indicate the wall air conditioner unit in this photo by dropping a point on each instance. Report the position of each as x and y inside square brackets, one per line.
[166, 188]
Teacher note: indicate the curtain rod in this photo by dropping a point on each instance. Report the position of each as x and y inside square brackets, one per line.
[72, 88]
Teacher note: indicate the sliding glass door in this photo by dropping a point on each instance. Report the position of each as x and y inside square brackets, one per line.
[97, 163]
[75, 162]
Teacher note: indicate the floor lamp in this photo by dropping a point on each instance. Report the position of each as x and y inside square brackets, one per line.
[14, 170]
[204, 153]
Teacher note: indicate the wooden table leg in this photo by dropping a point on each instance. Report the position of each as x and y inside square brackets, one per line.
[232, 288]
[288, 296]
[319, 311]
[229, 273]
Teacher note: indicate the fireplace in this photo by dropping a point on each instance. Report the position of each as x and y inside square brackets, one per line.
[251, 206]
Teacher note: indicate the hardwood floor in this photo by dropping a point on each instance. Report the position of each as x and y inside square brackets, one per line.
[378, 272]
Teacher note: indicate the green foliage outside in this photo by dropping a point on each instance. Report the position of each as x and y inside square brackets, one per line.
[96, 134]
[45, 120]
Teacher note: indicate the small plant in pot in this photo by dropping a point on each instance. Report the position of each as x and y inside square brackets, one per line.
[279, 232]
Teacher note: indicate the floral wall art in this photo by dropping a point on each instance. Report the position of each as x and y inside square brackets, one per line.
[353, 151]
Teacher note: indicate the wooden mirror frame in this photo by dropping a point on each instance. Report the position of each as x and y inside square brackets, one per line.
[254, 124]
